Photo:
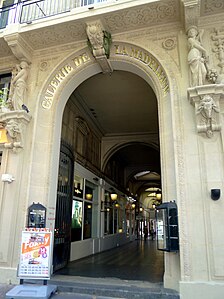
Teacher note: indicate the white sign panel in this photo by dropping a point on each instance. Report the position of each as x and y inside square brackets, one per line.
[35, 261]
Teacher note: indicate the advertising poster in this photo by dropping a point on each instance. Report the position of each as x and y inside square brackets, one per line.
[35, 254]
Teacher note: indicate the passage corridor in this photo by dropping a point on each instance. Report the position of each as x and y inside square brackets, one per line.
[137, 260]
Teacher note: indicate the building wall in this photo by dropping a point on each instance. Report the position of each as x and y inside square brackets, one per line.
[50, 119]
[81, 135]
[192, 161]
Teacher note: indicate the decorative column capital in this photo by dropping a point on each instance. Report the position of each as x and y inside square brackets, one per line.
[206, 100]
[15, 123]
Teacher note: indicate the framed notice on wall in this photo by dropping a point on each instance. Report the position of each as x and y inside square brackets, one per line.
[35, 256]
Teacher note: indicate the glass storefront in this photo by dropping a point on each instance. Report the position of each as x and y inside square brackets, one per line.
[99, 212]
[83, 210]
[113, 214]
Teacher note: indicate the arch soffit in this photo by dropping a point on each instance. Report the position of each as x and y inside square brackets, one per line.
[122, 145]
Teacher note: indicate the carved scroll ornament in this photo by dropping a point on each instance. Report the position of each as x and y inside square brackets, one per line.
[99, 42]
[207, 116]
[206, 102]
[15, 123]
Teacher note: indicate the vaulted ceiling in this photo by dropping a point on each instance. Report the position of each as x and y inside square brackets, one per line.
[124, 104]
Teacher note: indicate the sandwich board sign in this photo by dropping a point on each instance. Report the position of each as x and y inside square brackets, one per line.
[35, 255]
[34, 263]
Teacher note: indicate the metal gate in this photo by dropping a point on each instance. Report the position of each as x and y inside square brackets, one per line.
[62, 234]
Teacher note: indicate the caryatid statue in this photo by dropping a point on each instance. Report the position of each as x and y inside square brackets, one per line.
[19, 86]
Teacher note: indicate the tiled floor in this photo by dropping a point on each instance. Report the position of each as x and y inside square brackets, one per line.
[137, 260]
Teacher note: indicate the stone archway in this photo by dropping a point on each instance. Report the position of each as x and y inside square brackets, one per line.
[65, 78]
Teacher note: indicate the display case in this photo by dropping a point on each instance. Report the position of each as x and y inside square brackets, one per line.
[36, 216]
[167, 227]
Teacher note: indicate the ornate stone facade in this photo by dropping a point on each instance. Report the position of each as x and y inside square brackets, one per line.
[159, 41]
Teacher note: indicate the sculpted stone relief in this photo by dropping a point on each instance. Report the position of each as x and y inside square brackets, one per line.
[197, 57]
[99, 42]
[203, 80]
[19, 86]
[206, 99]
[169, 43]
[18, 89]
[98, 39]
[13, 116]
[14, 131]
[14, 122]
[218, 49]
[207, 111]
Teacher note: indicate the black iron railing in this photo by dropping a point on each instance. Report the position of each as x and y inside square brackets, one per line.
[27, 11]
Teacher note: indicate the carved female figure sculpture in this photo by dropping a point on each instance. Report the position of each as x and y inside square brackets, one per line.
[197, 57]
[19, 85]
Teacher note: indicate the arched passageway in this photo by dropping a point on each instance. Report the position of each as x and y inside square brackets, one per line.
[111, 124]
[67, 116]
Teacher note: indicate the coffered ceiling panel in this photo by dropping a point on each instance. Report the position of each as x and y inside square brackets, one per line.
[211, 7]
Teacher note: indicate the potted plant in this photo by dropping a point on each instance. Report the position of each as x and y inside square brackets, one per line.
[3, 100]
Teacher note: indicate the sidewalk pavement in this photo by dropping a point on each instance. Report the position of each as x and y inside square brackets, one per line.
[4, 288]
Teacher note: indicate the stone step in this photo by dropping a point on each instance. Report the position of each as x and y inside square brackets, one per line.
[114, 288]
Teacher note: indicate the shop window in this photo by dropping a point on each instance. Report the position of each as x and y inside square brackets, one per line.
[84, 212]
[113, 215]
[78, 186]
[90, 210]
[87, 220]
[76, 229]
[90, 191]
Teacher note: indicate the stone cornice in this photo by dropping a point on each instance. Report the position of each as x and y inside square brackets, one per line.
[198, 91]
[19, 46]
[72, 29]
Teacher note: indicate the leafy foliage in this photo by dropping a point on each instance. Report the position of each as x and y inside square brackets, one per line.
[3, 97]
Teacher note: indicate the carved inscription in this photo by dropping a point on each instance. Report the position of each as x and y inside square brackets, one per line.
[78, 61]
[60, 76]
[148, 60]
